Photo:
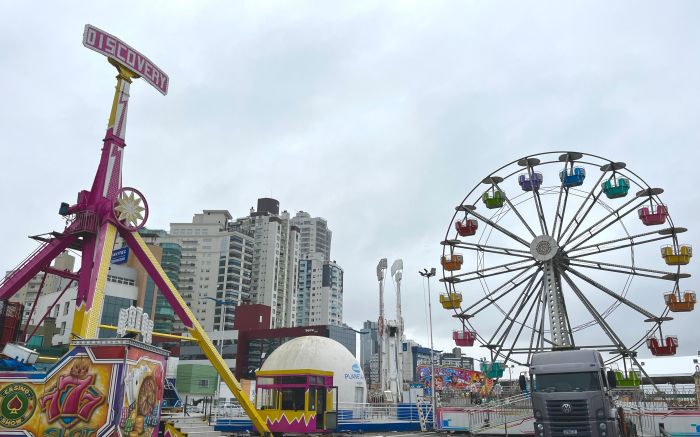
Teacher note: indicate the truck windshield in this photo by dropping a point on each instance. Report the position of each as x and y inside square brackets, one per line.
[566, 382]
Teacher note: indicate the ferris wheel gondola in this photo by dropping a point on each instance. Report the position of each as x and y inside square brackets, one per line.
[549, 249]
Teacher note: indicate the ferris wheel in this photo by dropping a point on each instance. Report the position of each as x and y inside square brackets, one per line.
[560, 250]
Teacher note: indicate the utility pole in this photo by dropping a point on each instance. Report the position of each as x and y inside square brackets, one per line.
[429, 274]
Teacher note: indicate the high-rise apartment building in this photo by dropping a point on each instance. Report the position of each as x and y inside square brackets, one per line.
[275, 260]
[319, 292]
[320, 285]
[315, 237]
[369, 346]
[216, 267]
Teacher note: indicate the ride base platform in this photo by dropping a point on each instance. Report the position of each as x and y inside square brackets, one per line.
[102, 387]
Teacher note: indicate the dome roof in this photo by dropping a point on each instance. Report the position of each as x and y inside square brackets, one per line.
[322, 353]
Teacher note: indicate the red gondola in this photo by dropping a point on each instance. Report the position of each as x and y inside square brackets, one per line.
[666, 348]
[464, 337]
[466, 227]
[653, 216]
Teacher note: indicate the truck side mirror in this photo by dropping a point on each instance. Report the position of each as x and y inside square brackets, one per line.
[522, 382]
[612, 381]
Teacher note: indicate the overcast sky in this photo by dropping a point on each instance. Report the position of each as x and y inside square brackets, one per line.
[378, 116]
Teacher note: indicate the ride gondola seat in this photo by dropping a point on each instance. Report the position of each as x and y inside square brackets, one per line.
[529, 183]
[494, 199]
[464, 338]
[666, 349]
[677, 255]
[653, 216]
[466, 227]
[616, 189]
[493, 370]
[687, 303]
[451, 262]
[573, 177]
[632, 380]
[450, 301]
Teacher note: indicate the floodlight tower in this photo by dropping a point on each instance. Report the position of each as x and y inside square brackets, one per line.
[381, 269]
[397, 338]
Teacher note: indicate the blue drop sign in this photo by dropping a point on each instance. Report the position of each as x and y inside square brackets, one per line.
[120, 256]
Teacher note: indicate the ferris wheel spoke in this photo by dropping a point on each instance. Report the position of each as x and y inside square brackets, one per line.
[616, 215]
[607, 329]
[519, 304]
[578, 218]
[515, 210]
[633, 240]
[522, 324]
[493, 271]
[505, 288]
[534, 326]
[540, 211]
[624, 269]
[612, 294]
[535, 302]
[560, 212]
[487, 248]
[498, 227]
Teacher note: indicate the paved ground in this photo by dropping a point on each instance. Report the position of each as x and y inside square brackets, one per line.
[400, 434]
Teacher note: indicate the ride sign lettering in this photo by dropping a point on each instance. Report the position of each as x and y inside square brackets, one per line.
[111, 46]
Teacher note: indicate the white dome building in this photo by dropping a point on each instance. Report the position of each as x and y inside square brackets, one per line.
[321, 353]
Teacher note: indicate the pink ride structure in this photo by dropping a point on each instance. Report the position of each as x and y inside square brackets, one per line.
[107, 209]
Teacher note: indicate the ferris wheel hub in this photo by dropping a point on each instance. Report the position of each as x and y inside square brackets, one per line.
[544, 248]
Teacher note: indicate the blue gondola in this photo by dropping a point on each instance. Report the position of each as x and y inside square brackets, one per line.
[572, 177]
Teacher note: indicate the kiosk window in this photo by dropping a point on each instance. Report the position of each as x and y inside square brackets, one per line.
[292, 399]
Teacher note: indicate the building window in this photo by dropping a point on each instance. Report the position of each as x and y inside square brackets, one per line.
[63, 328]
[204, 383]
[65, 309]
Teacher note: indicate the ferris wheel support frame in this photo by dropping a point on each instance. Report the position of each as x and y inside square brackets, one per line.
[570, 257]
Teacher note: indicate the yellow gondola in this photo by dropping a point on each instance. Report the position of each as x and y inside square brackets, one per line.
[677, 255]
[450, 301]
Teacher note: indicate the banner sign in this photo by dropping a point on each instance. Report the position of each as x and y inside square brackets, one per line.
[120, 256]
[112, 47]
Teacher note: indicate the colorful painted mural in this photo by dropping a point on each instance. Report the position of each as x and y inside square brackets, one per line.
[73, 396]
[81, 396]
[456, 379]
[144, 392]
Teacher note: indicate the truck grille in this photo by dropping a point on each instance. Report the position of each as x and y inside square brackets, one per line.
[565, 423]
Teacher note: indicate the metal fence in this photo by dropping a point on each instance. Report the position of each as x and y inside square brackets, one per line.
[643, 398]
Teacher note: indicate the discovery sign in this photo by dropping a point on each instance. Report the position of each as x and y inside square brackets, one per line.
[114, 48]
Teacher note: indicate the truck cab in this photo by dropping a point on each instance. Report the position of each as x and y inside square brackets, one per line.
[571, 395]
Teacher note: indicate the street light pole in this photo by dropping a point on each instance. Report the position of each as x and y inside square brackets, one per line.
[428, 274]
